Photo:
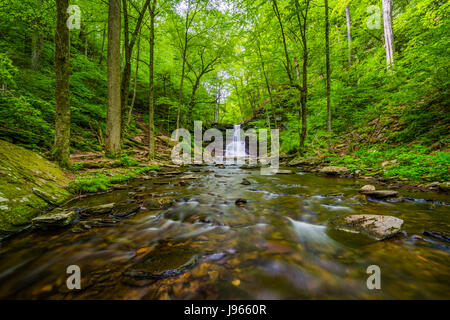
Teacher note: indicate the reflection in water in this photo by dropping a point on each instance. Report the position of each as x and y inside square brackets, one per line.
[278, 245]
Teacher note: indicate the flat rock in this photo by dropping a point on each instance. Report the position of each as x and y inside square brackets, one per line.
[374, 226]
[158, 203]
[189, 177]
[382, 194]
[55, 219]
[101, 209]
[279, 171]
[334, 171]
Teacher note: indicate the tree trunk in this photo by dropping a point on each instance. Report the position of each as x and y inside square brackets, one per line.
[327, 57]
[152, 9]
[61, 150]
[133, 100]
[103, 46]
[349, 35]
[128, 46]
[388, 33]
[113, 120]
[37, 42]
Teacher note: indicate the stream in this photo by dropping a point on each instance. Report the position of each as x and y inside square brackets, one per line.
[187, 238]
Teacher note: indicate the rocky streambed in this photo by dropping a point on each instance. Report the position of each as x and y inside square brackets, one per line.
[227, 232]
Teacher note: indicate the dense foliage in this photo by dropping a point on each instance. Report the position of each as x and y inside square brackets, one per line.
[237, 68]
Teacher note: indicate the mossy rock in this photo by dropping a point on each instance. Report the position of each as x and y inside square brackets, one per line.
[28, 183]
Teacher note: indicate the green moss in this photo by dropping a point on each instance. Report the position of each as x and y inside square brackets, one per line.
[21, 171]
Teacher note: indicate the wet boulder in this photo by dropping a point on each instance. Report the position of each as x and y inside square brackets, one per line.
[101, 209]
[374, 226]
[279, 171]
[367, 188]
[126, 209]
[189, 177]
[382, 194]
[165, 261]
[158, 203]
[56, 218]
[335, 171]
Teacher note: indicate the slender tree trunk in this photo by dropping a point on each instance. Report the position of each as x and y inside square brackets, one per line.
[133, 100]
[61, 150]
[264, 98]
[113, 120]
[388, 33]
[37, 43]
[349, 35]
[152, 9]
[128, 45]
[327, 57]
[180, 94]
[103, 46]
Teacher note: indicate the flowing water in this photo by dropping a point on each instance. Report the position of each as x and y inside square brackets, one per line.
[277, 245]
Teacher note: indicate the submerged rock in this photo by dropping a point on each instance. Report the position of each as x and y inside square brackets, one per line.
[245, 182]
[55, 219]
[374, 226]
[241, 202]
[334, 171]
[165, 261]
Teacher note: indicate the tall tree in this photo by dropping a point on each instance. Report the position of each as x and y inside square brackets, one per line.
[184, 38]
[152, 11]
[128, 45]
[388, 33]
[349, 34]
[61, 150]
[113, 117]
[327, 58]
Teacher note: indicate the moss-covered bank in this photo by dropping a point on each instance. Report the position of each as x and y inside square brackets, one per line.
[28, 184]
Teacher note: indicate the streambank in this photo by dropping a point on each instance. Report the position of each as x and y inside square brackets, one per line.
[324, 166]
[28, 184]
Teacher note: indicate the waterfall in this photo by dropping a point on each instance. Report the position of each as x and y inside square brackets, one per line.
[237, 147]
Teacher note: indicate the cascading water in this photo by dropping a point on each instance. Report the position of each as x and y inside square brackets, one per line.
[237, 147]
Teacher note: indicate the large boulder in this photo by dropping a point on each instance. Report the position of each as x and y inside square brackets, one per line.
[28, 184]
[56, 218]
[374, 226]
[335, 171]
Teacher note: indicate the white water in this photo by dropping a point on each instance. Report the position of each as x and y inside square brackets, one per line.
[237, 147]
[309, 233]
